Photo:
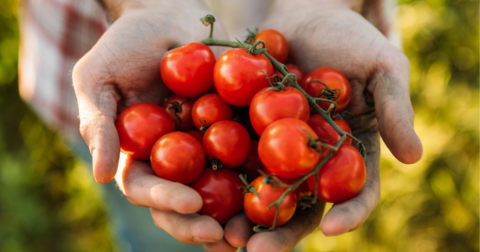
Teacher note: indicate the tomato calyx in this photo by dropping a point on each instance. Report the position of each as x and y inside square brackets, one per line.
[317, 143]
[252, 35]
[216, 163]
[204, 124]
[305, 202]
[176, 106]
[247, 188]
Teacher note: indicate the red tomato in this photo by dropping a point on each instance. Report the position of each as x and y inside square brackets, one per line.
[268, 106]
[253, 164]
[326, 132]
[302, 189]
[139, 126]
[275, 43]
[229, 142]
[221, 193]
[283, 148]
[342, 177]
[237, 75]
[210, 109]
[257, 210]
[335, 80]
[182, 112]
[197, 134]
[188, 70]
[295, 70]
[178, 157]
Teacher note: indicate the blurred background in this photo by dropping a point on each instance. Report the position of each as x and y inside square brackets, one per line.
[49, 202]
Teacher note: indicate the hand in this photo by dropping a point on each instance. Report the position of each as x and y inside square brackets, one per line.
[331, 34]
[123, 69]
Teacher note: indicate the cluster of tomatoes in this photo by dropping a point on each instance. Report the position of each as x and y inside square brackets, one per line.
[237, 115]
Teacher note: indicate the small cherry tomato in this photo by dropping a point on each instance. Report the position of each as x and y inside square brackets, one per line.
[284, 148]
[180, 109]
[325, 131]
[239, 75]
[227, 141]
[342, 177]
[178, 157]
[275, 43]
[335, 80]
[197, 134]
[257, 210]
[253, 164]
[221, 193]
[295, 70]
[268, 106]
[188, 70]
[139, 126]
[209, 109]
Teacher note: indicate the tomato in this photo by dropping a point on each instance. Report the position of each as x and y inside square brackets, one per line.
[253, 164]
[283, 148]
[197, 134]
[221, 193]
[178, 157]
[302, 189]
[180, 109]
[335, 80]
[188, 70]
[257, 210]
[229, 142]
[325, 131]
[238, 75]
[210, 109]
[139, 126]
[268, 106]
[342, 177]
[275, 43]
[295, 70]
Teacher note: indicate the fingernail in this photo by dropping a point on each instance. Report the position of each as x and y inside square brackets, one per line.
[196, 239]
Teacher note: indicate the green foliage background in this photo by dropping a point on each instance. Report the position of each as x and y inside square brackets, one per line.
[48, 202]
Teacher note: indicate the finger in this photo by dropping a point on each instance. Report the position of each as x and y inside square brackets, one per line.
[350, 215]
[394, 108]
[143, 187]
[188, 228]
[284, 238]
[220, 246]
[238, 230]
[97, 104]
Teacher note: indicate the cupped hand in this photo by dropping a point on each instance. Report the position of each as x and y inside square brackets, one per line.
[123, 69]
[330, 33]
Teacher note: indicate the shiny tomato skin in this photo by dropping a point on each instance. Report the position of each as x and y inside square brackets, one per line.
[275, 43]
[253, 164]
[257, 210]
[283, 148]
[268, 106]
[139, 126]
[325, 131]
[185, 112]
[197, 134]
[221, 193]
[188, 70]
[238, 75]
[178, 157]
[334, 79]
[342, 177]
[209, 109]
[229, 142]
[295, 70]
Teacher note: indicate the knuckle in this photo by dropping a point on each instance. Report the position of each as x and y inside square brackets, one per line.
[394, 60]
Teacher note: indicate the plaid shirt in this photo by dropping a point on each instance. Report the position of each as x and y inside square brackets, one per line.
[55, 34]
